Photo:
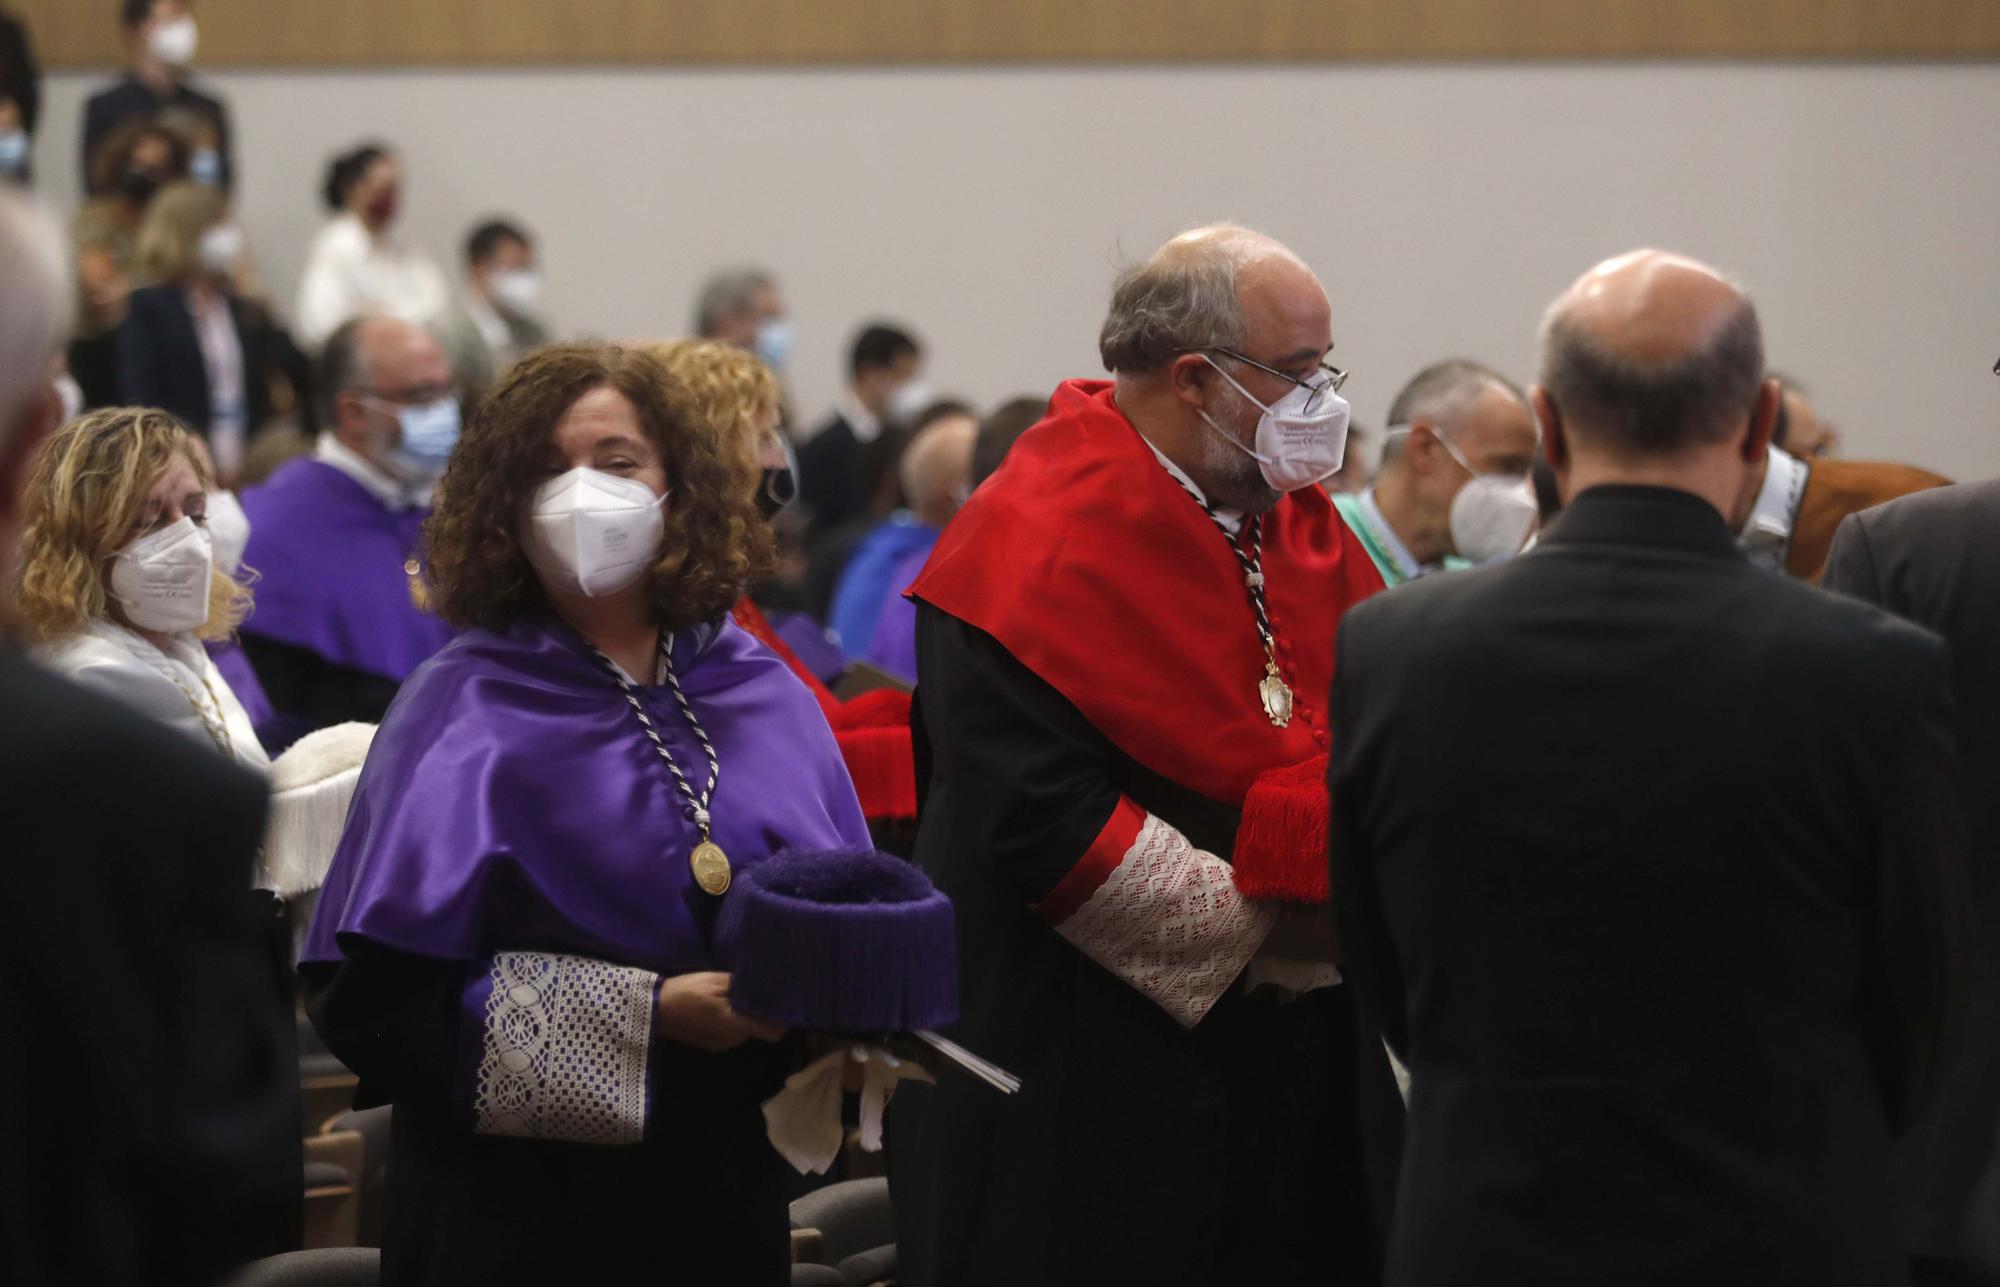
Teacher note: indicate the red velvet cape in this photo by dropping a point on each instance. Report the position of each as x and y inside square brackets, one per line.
[1102, 575]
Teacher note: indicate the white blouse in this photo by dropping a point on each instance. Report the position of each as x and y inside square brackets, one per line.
[179, 687]
[350, 272]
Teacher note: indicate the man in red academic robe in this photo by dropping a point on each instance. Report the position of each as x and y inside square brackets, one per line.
[1128, 624]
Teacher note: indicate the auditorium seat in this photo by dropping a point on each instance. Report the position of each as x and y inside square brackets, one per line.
[331, 1267]
[856, 1230]
[372, 1124]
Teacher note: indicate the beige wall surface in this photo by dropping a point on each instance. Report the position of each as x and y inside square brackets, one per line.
[989, 207]
[494, 32]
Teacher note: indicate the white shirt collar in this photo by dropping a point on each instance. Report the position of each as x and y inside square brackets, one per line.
[1230, 519]
[1768, 529]
[392, 492]
[1378, 522]
[867, 426]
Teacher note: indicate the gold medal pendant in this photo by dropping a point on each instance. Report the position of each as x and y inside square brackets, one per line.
[420, 593]
[711, 867]
[1277, 696]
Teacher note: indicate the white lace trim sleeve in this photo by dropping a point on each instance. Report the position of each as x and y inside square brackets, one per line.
[565, 1050]
[1169, 921]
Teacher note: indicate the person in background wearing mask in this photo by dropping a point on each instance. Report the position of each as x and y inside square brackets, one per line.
[134, 163]
[118, 582]
[190, 344]
[343, 608]
[1453, 489]
[739, 395]
[845, 464]
[355, 266]
[516, 944]
[742, 306]
[20, 101]
[160, 37]
[873, 621]
[1127, 625]
[497, 315]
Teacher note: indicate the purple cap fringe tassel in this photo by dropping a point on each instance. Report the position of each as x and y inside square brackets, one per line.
[843, 940]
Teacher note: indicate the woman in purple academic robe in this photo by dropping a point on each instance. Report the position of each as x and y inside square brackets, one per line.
[517, 944]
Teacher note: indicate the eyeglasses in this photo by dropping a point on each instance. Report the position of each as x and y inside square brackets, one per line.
[1334, 376]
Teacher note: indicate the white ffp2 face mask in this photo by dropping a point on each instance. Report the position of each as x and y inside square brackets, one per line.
[174, 42]
[593, 533]
[1294, 450]
[228, 531]
[161, 580]
[1492, 514]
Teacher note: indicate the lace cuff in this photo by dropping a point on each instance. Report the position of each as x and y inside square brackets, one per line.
[562, 1044]
[1160, 914]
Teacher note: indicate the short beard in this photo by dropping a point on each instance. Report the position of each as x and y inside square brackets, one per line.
[1234, 480]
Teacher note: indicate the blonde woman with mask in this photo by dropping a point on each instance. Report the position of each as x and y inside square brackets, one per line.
[118, 584]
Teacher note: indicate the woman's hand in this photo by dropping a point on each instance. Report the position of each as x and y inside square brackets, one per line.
[694, 1010]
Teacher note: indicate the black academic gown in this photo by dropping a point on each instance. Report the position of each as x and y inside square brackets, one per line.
[1137, 1151]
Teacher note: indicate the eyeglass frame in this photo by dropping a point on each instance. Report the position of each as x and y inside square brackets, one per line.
[1335, 376]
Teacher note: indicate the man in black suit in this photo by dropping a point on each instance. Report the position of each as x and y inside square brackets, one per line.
[846, 466]
[1645, 857]
[161, 38]
[149, 1120]
[1928, 557]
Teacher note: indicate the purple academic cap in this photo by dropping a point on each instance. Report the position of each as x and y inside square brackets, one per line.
[840, 940]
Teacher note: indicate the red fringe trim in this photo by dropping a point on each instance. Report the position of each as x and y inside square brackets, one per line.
[1281, 843]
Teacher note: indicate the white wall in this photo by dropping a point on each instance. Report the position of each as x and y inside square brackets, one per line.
[989, 207]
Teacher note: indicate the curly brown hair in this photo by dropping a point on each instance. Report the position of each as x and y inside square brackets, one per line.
[715, 544]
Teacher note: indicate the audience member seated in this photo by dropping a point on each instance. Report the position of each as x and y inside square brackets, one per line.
[203, 136]
[153, 1136]
[190, 344]
[20, 102]
[741, 306]
[160, 41]
[512, 945]
[496, 317]
[873, 620]
[1002, 427]
[843, 466]
[118, 583]
[356, 267]
[342, 613]
[1453, 489]
[132, 165]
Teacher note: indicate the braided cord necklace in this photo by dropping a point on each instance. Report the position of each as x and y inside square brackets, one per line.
[1272, 690]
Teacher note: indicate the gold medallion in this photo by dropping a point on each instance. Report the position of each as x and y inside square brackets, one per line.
[711, 868]
[1277, 696]
[420, 592]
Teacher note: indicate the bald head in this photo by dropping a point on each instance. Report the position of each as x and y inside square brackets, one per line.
[937, 467]
[1650, 354]
[1207, 288]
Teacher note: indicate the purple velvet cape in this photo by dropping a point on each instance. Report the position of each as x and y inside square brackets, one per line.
[511, 802]
[329, 559]
[235, 670]
[893, 644]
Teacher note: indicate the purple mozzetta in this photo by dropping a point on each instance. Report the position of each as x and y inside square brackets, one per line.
[512, 801]
[330, 562]
[844, 941]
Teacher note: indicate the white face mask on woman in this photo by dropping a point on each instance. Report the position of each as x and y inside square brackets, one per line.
[161, 580]
[228, 531]
[593, 533]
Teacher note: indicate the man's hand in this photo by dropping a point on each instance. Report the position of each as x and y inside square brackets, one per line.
[694, 1010]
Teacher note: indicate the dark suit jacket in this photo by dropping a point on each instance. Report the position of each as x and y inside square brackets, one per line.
[126, 98]
[842, 479]
[1644, 858]
[160, 362]
[1836, 488]
[149, 1095]
[1929, 558]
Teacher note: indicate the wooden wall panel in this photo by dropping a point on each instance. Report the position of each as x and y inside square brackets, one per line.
[339, 33]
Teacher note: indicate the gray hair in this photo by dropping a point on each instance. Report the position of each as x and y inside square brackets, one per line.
[1170, 304]
[343, 368]
[726, 294]
[34, 303]
[1441, 393]
[1656, 409]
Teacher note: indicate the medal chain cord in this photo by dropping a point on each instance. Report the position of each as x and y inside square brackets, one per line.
[697, 805]
[1252, 564]
[218, 730]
